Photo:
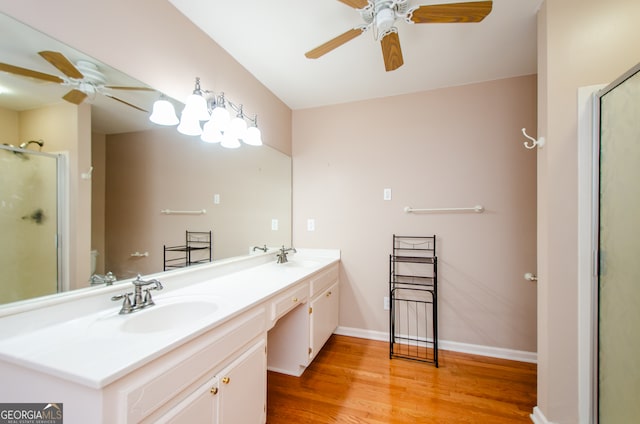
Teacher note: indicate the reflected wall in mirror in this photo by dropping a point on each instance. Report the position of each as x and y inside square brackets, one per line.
[243, 193]
[138, 169]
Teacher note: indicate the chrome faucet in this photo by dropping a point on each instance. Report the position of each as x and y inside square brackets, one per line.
[108, 279]
[263, 248]
[281, 256]
[138, 302]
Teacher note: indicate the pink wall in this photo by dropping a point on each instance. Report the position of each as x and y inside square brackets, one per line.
[446, 148]
[581, 43]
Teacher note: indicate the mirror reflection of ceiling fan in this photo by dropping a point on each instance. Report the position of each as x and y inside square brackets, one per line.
[84, 78]
[381, 16]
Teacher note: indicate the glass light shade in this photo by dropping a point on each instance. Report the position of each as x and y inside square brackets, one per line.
[196, 108]
[253, 137]
[163, 113]
[189, 125]
[211, 133]
[237, 127]
[221, 117]
[230, 141]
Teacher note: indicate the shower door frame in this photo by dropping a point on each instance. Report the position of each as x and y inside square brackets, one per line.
[62, 240]
[596, 230]
[588, 243]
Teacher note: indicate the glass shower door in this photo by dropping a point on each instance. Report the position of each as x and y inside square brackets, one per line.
[619, 252]
[28, 224]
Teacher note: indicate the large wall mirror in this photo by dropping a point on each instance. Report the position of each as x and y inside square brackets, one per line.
[119, 172]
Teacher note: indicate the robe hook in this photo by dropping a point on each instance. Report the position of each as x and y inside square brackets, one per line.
[539, 142]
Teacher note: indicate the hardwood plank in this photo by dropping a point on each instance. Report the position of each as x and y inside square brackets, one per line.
[353, 381]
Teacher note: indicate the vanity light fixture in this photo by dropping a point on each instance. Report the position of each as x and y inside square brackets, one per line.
[253, 136]
[163, 113]
[205, 106]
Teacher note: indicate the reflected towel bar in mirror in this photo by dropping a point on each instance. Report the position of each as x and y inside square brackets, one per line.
[172, 212]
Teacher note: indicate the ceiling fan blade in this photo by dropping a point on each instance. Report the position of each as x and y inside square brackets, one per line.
[333, 43]
[126, 103]
[75, 96]
[474, 11]
[58, 60]
[29, 73]
[116, 87]
[356, 4]
[391, 51]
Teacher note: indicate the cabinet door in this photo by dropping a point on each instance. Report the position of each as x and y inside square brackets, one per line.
[324, 318]
[243, 388]
[199, 407]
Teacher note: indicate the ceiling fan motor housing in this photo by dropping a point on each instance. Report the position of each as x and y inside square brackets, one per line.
[91, 72]
[384, 20]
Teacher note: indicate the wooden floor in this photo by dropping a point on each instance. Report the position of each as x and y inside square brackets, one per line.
[353, 381]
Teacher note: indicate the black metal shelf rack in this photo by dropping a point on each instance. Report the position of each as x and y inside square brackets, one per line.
[196, 250]
[413, 295]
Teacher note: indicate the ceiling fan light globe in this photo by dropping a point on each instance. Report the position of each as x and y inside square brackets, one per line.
[163, 113]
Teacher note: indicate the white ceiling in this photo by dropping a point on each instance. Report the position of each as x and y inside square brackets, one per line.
[269, 38]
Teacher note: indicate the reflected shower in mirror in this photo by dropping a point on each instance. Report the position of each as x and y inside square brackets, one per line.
[123, 169]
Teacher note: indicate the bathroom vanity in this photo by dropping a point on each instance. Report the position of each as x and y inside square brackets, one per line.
[199, 355]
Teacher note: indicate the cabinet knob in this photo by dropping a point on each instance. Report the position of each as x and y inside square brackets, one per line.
[226, 380]
[295, 299]
[214, 390]
[328, 294]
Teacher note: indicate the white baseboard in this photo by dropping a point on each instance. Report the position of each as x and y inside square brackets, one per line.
[538, 417]
[494, 352]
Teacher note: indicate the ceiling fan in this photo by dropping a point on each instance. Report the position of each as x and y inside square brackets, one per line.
[84, 77]
[381, 15]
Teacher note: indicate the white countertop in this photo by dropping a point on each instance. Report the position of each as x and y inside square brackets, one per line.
[92, 350]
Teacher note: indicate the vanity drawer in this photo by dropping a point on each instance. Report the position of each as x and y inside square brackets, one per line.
[289, 300]
[320, 282]
[164, 382]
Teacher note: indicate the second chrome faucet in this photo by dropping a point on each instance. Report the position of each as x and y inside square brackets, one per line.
[281, 256]
[129, 306]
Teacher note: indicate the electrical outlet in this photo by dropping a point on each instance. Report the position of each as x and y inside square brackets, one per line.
[274, 224]
[216, 199]
[387, 194]
[387, 305]
[311, 224]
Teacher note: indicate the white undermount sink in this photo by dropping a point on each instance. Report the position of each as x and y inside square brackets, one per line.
[170, 316]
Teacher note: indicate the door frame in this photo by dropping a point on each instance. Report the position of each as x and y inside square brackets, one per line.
[588, 171]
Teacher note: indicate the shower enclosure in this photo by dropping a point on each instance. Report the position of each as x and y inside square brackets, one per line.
[618, 315]
[30, 260]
